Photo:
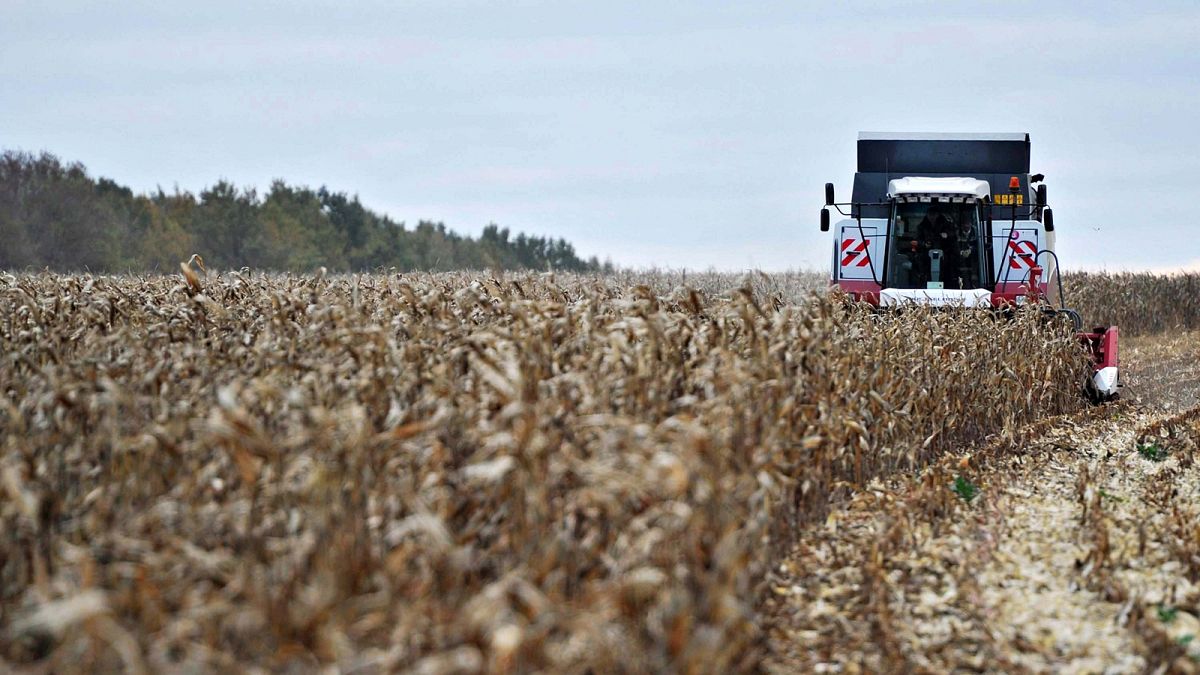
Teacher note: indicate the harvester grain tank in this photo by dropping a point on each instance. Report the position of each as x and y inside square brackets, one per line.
[953, 220]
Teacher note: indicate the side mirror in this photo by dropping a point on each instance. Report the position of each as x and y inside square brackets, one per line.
[829, 200]
[1048, 219]
[1041, 196]
[824, 220]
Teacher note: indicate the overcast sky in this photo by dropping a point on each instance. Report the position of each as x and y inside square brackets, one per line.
[680, 134]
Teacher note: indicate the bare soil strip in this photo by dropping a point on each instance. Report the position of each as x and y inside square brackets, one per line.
[1078, 553]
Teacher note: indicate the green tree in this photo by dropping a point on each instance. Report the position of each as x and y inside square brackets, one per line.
[55, 215]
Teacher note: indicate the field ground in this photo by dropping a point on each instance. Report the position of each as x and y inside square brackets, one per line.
[1078, 555]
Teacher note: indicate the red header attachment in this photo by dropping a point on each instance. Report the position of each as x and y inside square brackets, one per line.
[1014, 183]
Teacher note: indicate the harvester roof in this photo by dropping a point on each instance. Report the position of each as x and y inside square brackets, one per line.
[926, 136]
[921, 185]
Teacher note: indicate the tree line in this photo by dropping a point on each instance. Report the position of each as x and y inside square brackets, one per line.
[54, 214]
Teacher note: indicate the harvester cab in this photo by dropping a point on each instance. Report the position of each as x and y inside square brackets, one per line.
[953, 220]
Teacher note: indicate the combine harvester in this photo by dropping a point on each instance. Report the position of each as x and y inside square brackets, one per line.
[953, 220]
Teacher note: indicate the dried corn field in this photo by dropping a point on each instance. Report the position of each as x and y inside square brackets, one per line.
[1141, 303]
[476, 473]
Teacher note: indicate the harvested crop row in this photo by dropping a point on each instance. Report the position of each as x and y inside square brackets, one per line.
[453, 472]
[1139, 528]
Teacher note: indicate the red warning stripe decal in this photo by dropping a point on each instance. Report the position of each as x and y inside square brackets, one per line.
[858, 252]
[1024, 254]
